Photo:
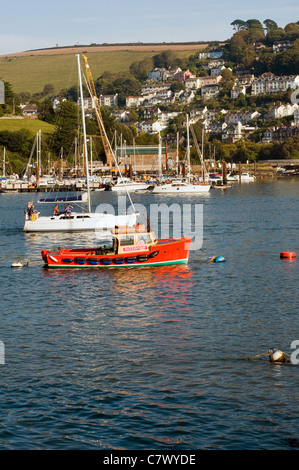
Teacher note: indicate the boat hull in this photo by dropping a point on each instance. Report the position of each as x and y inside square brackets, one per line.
[79, 222]
[165, 252]
[181, 189]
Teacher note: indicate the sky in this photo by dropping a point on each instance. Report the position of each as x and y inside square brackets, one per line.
[35, 24]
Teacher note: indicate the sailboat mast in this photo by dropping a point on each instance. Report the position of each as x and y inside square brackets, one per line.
[3, 163]
[160, 158]
[188, 149]
[84, 133]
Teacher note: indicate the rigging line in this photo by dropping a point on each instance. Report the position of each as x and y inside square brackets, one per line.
[110, 148]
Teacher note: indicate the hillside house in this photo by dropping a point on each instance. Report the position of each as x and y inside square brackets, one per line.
[281, 110]
[296, 117]
[209, 91]
[158, 74]
[284, 132]
[150, 127]
[30, 111]
[210, 80]
[269, 83]
[234, 132]
[121, 115]
[210, 55]
[192, 83]
[151, 113]
[109, 100]
[134, 101]
[237, 90]
[281, 46]
[154, 88]
[183, 75]
[241, 116]
[88, 103]
[186, 97]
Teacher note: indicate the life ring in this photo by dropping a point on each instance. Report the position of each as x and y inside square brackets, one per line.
[288, 254]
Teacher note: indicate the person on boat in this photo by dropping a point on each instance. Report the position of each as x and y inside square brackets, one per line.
[68, 210]
[56, 211]
[31, 210]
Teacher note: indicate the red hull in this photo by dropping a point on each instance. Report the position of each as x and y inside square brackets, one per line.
[169, 251]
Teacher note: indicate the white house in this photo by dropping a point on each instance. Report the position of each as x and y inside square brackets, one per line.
[109, 100]
[241, 116]
[269, 83]
[150, 127]
[237, 90]
[134, 101]
[281, 110]
[208, 91]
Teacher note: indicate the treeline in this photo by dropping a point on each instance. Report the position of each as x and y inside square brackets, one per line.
[251, 46]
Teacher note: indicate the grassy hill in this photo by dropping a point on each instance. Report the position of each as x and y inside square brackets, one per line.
[31, 71]
[33, 125]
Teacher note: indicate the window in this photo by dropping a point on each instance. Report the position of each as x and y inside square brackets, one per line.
[126, 240]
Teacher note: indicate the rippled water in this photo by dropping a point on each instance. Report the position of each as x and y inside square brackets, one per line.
[151, 358]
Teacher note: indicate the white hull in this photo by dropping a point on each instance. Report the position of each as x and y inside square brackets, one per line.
[182, 188]
[130, 187]
[79, 222]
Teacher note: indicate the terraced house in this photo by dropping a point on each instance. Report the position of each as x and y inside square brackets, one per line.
[269, 83]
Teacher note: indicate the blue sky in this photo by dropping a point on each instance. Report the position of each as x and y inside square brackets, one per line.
[35, 24]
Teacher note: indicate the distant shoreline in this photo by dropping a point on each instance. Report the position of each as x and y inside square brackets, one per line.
[113, 47]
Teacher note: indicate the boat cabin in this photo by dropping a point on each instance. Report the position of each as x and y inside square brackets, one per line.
[131, 241]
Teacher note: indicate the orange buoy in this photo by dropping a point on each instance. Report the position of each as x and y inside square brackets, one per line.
[288, 254]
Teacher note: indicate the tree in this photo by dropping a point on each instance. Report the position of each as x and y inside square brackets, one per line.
[67, 119]
[48, 89]
[238, 25]
[141, 69]
[270, 25]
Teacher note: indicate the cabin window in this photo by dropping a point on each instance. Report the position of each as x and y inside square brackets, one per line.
[126, 240]
[143, 239]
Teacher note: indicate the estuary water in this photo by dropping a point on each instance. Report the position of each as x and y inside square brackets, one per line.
[155, 358]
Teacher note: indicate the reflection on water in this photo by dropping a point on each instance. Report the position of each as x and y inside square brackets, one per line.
[143, 357]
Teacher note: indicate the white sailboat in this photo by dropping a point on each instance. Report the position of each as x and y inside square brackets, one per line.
[126, 184]
[183, 187]
[78, 221]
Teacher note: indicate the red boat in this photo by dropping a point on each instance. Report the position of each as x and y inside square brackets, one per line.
[136, 247]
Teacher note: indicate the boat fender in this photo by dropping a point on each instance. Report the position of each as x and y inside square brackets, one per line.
[67, 260]
[106, 261]
[53, 258]
[153, 254]
[131, 259]
[119, 260]
[287, 255]
[93, 261]
[142, 257]
[80, 260]
[275, 355]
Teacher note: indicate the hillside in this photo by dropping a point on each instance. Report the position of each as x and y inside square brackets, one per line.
[32, 125]
[30, 71]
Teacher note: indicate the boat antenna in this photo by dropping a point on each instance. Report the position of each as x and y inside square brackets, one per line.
[84, 132]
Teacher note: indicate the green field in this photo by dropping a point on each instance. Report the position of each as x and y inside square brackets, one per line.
[32, 73]
[33, 125]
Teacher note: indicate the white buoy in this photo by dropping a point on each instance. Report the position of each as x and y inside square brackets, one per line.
[276, 355]
[18, 264]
